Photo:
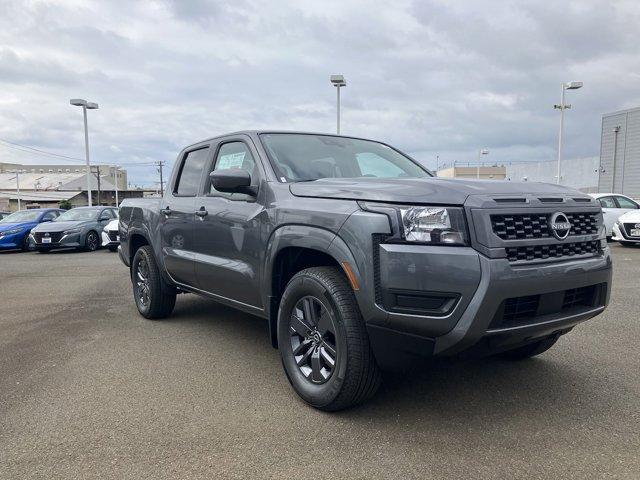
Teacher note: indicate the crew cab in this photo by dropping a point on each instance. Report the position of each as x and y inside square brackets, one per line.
[360, 259]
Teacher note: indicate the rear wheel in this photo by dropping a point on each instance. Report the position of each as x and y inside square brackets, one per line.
[323, 341]
[530, 350]
[154, 297]
[91, 241]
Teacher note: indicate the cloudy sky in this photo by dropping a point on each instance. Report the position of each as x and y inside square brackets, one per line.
[431, 77]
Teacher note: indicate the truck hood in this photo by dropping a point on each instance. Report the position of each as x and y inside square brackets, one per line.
[420, 190]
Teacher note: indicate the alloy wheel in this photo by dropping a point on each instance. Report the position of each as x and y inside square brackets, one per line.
[92, 241]
[142, 283]
[313, 339]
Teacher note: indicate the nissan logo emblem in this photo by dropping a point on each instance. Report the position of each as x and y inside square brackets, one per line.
[560, 226]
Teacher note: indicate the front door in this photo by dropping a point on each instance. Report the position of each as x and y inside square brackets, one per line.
[229, 226]
[177, 214]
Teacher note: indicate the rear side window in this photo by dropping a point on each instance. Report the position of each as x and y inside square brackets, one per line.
[626, 203]
[607, 202]
[191, 172]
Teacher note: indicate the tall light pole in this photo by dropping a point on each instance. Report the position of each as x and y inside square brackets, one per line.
[562, 107]
[482, 151]
[17, 172]
[79, 102]
[115, 176]
[338, 81]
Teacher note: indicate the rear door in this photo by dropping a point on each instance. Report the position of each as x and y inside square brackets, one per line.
[609, 211]
[177, 216]
[229, 228]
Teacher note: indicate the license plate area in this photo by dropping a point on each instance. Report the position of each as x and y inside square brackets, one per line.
[46, 240]
[635, 232]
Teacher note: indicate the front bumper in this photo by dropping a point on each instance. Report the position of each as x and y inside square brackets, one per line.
[73, 240]
[619, 235]
[11, 242]
[475, 289]
[107, 241]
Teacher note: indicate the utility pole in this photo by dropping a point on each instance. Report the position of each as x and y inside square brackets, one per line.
[160, 165]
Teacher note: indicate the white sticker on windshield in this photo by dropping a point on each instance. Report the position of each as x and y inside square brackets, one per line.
[231, 160]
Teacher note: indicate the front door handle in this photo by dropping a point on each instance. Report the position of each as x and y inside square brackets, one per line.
[166, 211]
[202, 212]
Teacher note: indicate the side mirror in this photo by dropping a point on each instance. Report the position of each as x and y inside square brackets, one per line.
[232, 180]
[104, 219]
[46, 220]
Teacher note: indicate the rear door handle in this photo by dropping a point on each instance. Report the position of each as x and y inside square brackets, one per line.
[202, 212]
[166, 211]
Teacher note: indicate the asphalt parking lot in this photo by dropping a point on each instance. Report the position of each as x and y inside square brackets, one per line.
[89, 389]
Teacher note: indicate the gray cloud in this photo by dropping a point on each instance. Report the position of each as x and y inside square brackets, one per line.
[432, 77]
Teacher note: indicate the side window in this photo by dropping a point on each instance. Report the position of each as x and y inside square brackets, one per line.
[624, 202]
[607, 202]
[233, 155]
[372, 165]
[188, 180]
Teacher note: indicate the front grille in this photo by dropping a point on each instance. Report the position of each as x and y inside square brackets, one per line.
[631, 226]
[558, 250]
[55, 236]
[536, 225]
[519, 311]
[113, 236]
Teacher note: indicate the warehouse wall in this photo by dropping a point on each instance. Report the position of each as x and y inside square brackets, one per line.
[620, 158]
[578, 173]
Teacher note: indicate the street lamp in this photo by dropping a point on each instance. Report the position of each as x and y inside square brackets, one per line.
[562, 107]
[482, 151]
[78, 102]
[338, 81]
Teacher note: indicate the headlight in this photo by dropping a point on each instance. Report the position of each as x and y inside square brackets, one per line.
[71, 231]
[12, 231]
[434, 225]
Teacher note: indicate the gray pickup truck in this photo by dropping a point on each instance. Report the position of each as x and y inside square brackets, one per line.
[360, 260]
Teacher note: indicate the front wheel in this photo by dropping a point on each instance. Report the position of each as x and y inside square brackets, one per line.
[91, 241]
[323, 341]
[113, 248]
[154, 297]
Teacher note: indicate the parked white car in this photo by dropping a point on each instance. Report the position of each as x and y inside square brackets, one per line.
[110, 235]
[627, 229]
[613, 206]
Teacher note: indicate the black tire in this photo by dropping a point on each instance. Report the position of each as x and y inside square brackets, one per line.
[153, 296]
[354, 376]
[91, 241]
[113, 248]
[628, 244]
[530, 350]
[26, 247]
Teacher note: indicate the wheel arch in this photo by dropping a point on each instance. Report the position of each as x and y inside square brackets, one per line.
[293, 248]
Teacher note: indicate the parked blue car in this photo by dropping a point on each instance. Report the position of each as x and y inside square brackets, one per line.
[15, 228]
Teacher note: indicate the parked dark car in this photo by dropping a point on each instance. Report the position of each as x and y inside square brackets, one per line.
[76, 228]
[361, 260]
[15, 227]
[4, 214]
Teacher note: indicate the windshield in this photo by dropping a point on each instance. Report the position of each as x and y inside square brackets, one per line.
[78, 214]
[304, 157]
[22, 216]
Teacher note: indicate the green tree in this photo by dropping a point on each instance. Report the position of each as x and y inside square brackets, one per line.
[65, 205]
